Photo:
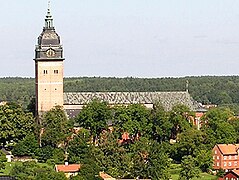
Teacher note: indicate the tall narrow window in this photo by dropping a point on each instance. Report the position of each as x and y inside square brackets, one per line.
[55, 71]
[45, 72]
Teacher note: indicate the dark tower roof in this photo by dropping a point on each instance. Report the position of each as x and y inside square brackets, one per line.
[49, 37]
[49, 46]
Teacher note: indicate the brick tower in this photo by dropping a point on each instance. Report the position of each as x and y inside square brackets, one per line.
[48, 68]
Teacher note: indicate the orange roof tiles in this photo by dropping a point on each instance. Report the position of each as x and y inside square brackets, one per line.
[236, 172]
[199, 114]
[125, 136]
[228, 148]
[68, 168]
[105, 176]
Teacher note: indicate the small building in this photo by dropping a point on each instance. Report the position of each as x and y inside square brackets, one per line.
[68, 169]
[23, 159]
[231, 175]
[105, 176]
[225, 156]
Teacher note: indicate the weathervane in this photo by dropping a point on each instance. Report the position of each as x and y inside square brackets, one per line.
[49, 4]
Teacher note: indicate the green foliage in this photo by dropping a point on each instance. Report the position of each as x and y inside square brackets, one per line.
[220, 173]
[208, 89]
[15, 124]
[235, 123]
[94, 117]
[217, 127]
[133, 119]
[44, 153]
[31, 170]
[49, 174]
[144, 155]
[189, 168]
[204, 159]
[162, 126]
[58, 156]
[79, 148]
[179, 117]
[189, 142]
[111, 157]
[56, 127]
[27, 146]
[89, 170]
[159, 162]
[140, 156]
[19, 90]
[3, 159]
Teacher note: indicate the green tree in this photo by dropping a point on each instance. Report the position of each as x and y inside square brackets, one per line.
[112, 157]
[133, 119]
[27, 146]
[15, 124]
[217, 127]
[204, 159]
[56, 128]
[49, 174]
[162, 127]
[140, 156]
[44, 153]
[235, 123]
[31, 170]
[89, 170]
[79, 148]
[179, 117]
[149, 159]
[189, 168]
[94, 117]
[189, 142]
[3, 159]
[159, 162]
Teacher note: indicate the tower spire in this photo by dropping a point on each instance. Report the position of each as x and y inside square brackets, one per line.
[49, 4]
[49, 19]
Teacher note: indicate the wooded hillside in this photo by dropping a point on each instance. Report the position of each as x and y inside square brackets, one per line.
[207, 89]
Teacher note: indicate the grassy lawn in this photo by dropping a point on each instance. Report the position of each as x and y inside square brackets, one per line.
[175, 169]
[203, 176]
[8, 168]
[10, 165]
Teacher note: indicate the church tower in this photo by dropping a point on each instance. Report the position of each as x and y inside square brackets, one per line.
[48, 68]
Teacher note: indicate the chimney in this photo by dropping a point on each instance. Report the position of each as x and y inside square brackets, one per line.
[66, 163]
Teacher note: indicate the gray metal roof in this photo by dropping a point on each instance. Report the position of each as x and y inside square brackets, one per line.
[167, 99]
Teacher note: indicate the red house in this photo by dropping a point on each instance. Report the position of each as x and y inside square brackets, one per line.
[231, 175]
[226, 157]
[68, 169]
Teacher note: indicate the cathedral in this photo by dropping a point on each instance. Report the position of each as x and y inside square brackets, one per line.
[49, 70]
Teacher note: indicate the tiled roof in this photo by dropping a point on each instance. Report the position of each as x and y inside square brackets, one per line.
[228, 149]
[68, 168]
[105, 176]
[236, 172]
[167, 99]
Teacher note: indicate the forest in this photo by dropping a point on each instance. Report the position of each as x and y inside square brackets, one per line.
[220, 90]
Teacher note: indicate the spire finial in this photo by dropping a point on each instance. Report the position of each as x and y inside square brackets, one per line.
[49, 4]
[187, 85]
[49, 19]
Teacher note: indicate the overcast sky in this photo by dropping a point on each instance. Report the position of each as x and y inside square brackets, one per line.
[139, 38]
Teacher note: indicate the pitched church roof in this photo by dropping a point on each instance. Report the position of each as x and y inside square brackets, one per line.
[167, 99]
